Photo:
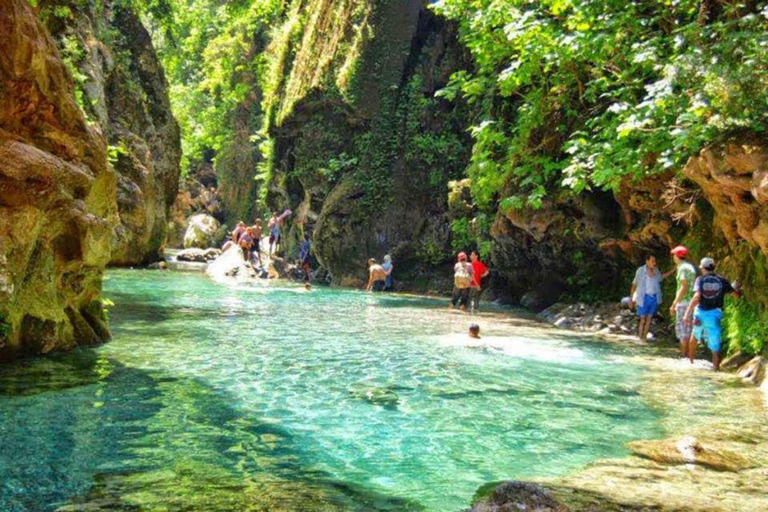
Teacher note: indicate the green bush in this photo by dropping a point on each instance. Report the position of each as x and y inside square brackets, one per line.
[746, 326]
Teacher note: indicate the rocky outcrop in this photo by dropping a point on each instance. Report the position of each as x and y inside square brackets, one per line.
[123, 88]
[363, 151]
[57, 198]
[231, 267]
[198, 255]
[689, 450]
[203, 231]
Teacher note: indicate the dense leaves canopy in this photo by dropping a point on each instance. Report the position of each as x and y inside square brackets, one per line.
[581, 93]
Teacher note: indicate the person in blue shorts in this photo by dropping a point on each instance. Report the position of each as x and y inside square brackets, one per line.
[706, 309]
[646, 294]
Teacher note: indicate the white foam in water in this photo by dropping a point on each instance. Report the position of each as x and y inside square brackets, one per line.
[523, 348]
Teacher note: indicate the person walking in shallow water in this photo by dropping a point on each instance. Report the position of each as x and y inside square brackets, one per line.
[388, 268]
[646, 293]
[462, 282]
[377, 277]
[685, 276]
[305, 257]
[705, 311]
[479, 272]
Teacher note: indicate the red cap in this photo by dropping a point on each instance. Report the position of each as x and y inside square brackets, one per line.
[679, 251]
[462, 256]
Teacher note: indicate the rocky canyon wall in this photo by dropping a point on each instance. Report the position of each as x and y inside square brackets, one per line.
[362, 150]
[57, 198]
[122, 87]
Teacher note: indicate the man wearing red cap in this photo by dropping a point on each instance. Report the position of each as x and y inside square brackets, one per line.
[686, 275]
[462, 282]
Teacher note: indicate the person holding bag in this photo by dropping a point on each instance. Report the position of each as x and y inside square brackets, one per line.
[462, 282]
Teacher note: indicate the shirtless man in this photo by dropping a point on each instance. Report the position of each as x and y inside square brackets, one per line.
[377, 277]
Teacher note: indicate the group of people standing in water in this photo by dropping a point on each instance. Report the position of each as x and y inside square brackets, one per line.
[697, 306]
[467, 279]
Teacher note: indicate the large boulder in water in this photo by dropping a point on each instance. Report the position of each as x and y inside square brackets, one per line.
[231, 265]
[202, 232]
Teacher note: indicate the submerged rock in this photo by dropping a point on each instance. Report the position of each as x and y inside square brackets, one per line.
[202, 232]
[517, 497]
[381, 396]
[689, 450]
[198, 255]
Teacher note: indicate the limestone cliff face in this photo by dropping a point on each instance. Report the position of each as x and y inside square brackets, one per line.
[363, 151]
[124, 90]
[717, 206]
[57, 198]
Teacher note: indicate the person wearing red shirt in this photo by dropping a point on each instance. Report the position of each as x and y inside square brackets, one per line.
[481, 271]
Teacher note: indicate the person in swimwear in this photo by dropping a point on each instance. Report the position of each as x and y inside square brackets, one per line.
[377, 277]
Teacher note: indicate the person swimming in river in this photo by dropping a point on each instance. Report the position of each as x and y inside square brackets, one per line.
[377, 277]
[474, 331]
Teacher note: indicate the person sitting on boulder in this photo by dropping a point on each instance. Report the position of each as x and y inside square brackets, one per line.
[705, 310]
[377, 277]
[462, 282]
[246, 243]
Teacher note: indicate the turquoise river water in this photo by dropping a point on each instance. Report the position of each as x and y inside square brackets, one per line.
[267, 398]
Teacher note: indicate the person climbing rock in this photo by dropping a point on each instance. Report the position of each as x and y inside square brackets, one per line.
[646, 293]
[462, 282]
[685, 276]
[479, 272]
[705, 311]
[274, 234]
[377, 277]
[305, 257]
[274, 225]
[388, 267]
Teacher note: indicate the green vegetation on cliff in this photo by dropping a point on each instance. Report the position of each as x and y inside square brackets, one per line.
[577, 94]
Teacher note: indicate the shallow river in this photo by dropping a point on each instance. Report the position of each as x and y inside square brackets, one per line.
[266, 398]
